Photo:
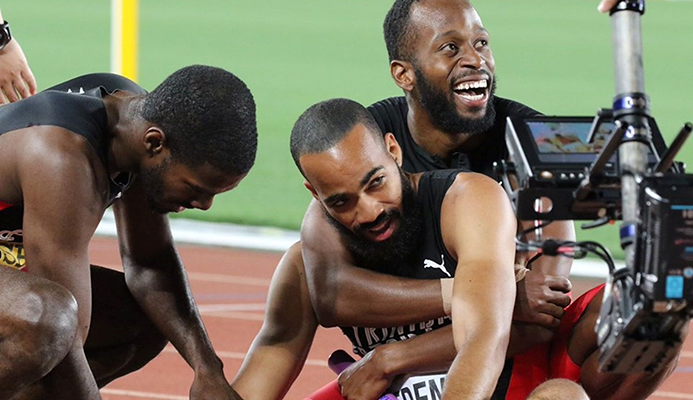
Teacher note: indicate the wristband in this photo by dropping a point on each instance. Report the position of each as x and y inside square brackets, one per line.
[520, 272]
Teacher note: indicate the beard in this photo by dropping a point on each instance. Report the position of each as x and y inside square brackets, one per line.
[443, 113]
[153, 185]
[387, 255]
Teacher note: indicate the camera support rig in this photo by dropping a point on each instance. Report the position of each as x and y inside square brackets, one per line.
[648, 303]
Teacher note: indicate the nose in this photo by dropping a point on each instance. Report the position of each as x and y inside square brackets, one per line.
[368, 210]
[471, 58]
[203, 203]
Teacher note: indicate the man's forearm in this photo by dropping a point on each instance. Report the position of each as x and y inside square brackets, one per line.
[164, 294]
[352, 296]
[345, 295]
[428, 353]
[475, 371]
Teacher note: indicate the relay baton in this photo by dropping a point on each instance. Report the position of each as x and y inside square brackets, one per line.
[340, 360]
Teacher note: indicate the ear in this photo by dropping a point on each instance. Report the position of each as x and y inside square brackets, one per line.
[154, 141]
[393, 148]
[403, 74]
[311, 189]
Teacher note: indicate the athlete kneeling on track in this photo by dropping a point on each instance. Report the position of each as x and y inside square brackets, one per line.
[69, 327]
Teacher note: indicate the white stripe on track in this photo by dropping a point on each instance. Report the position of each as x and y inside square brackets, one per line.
[231, 307]
[223, 278]
[142, 395]
[672, 395]
[233, 355]
[235, 315]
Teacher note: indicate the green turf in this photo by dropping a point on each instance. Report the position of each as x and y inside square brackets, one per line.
[554, 55]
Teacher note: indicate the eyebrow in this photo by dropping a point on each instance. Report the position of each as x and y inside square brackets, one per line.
[364, 181]
[200, 189]
[370, 174]
[453, 31]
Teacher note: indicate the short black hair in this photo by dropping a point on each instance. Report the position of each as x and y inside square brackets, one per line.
[396, 30]
[207, 115]
[325, 124]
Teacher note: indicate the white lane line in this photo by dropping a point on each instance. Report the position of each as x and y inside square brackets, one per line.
[673, 395]
[687, 354]
[207, 277]
[235, 315]
[143, 395]
[223, 278]
[232, 355]
[231, 307]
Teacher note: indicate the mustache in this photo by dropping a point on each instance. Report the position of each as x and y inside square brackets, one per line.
[481, 71]
[384, 216]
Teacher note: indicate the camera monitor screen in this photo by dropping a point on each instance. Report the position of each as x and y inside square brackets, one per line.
[565, 139]
[568, 137]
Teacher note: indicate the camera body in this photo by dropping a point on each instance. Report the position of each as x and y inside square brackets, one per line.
[571, 164]
[550, 157]
[644, 314]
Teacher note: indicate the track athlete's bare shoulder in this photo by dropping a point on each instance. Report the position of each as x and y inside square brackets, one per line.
[57, 154]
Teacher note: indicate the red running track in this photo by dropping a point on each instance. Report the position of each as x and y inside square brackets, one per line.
[230, 287]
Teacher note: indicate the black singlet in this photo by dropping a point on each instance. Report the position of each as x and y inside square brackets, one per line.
[77, 106]
[391, 116]
[431, 260]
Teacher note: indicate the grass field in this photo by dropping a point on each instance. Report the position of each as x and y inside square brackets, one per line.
[554, 55]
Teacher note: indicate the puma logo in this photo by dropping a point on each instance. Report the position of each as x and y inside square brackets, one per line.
[432, 264]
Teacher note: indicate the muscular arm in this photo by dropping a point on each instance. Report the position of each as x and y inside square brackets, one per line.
[280, 349]
[369, 377]
[155, 275]
[478, 227]
[57, 230]
[345, 295]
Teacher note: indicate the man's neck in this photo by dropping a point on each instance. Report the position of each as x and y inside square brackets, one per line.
[435, 141]
[124, 122]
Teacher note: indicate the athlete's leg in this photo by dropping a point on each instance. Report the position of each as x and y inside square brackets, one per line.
[563, 389]
[38, 324]
[122, 339]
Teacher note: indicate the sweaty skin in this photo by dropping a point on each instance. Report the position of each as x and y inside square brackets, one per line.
[389, 301]
[61, 211]
[280, 348]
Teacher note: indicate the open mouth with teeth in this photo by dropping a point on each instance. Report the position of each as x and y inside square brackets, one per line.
[474, 92]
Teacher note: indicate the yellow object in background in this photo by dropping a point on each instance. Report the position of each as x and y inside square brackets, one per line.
[124, 37]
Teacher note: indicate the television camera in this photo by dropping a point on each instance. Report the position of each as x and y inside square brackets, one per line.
[615, 166]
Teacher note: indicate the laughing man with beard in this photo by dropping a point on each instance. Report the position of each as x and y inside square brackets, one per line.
[449, 117]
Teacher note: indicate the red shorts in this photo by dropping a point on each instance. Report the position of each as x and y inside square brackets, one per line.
[560, 363]
[531, 368]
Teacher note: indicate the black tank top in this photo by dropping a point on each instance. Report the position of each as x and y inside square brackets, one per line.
[77, 106]
[431, 261]
[391, 116]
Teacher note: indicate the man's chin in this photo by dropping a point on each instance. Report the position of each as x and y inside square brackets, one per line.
[157, 208]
